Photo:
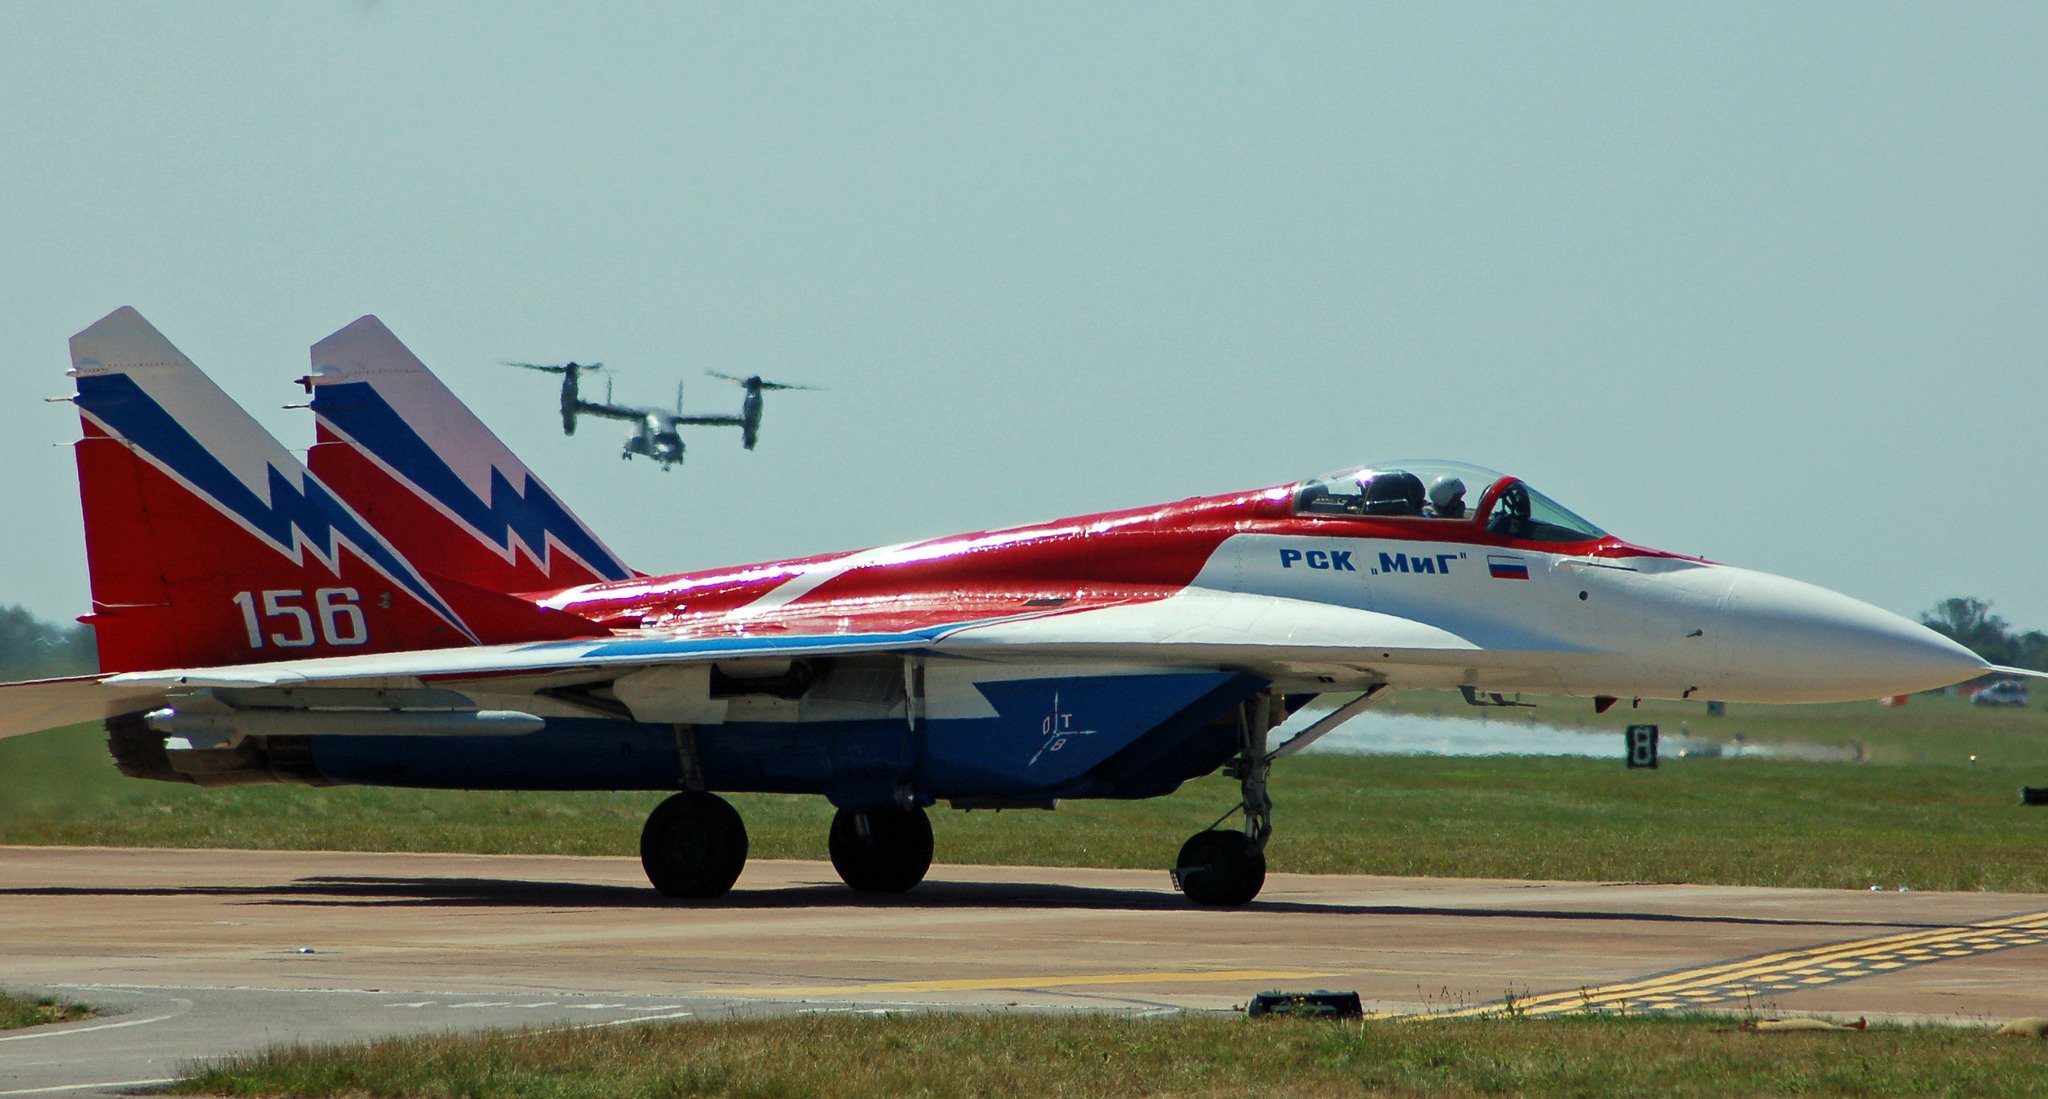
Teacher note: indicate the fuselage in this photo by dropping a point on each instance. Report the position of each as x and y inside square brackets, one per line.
[1549, 608]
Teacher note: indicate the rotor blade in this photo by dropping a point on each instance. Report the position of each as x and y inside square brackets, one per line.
[756, 382]
[554, 368]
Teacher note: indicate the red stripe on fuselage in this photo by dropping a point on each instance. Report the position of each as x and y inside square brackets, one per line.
[1091, 560]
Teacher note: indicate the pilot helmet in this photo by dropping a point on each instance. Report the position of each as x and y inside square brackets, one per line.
[1447, 494]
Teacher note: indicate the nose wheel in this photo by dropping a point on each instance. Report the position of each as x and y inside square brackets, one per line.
[1222, 868]
[693, 846]
[882, 850]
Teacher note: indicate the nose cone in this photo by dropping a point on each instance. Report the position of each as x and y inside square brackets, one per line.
[1785, 641]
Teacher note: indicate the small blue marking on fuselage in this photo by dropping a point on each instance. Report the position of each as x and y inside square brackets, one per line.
[1324, 560]
[1438, 564]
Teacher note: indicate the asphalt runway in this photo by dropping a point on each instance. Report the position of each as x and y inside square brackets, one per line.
[196, 954]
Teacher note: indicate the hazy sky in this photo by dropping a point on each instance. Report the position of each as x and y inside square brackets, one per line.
[1767, 283]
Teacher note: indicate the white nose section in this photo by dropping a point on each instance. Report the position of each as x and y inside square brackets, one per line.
[1784, 641]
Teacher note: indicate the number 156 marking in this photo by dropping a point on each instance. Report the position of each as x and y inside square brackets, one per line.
[338, 609]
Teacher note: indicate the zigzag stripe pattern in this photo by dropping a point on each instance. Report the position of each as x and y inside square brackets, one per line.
[295, 517]
[532, 515]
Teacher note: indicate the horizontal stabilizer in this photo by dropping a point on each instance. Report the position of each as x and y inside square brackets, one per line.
[50, 703]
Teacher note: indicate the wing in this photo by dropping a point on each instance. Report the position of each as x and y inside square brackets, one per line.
[611, 411]
[1300, 645]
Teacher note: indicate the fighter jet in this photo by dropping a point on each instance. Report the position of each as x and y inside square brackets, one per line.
[417, 609]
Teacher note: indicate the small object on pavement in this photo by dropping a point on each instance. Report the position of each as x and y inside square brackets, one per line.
[1803, 1024]
[1317, 1005]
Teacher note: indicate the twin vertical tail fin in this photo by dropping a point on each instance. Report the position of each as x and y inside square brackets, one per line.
[208, 543]
[404, 451]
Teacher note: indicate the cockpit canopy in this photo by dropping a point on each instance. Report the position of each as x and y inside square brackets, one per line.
[1443, 492]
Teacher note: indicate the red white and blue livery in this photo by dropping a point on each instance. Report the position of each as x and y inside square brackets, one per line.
[418, 609]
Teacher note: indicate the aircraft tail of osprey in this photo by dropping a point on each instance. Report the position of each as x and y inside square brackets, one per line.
[208, 542]
[399, 447]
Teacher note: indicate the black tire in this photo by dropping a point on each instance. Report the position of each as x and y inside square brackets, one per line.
[884, 850]
[1220, 868]
[693, 846]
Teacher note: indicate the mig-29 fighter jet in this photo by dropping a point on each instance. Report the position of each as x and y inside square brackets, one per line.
[413, 607]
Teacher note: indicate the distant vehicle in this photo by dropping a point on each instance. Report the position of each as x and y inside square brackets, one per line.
[655, 430]
[2005, 692]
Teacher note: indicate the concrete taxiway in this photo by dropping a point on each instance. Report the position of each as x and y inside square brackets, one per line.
[195, 954]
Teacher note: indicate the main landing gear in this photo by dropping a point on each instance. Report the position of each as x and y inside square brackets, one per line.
[694, 846]
[885, 850]
[1228, 868]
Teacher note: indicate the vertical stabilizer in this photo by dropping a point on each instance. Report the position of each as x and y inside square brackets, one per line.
[405, 452]
[206, 541]
[209, 543]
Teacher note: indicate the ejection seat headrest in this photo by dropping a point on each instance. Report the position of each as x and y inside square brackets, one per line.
[1396, 492]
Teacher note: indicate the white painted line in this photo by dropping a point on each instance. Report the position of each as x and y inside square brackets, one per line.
[619, 1022]
[106, 1086]
[183, 1007]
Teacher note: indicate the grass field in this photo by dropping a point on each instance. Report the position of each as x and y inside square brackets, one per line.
[22, 1011]
[916, 1055]
[1922, 815]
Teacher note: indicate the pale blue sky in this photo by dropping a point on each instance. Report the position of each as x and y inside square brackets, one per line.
[1763, 282]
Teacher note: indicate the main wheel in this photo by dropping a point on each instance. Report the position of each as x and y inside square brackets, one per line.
[694, 845]
[884, 850]
[1220, 868]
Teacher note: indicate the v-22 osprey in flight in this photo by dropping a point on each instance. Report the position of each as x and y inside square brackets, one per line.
[657, 432]
[413, 607]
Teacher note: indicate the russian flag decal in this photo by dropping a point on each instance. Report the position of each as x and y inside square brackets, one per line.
[1507, 568]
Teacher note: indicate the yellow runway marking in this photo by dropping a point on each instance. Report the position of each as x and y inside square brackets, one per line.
[993, 983]
[1746, 979]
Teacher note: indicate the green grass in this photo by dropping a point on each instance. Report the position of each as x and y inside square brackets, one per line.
[920, 1055]
[1930, 819]
[22, 1011]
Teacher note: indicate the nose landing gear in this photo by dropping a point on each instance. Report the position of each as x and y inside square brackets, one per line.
[1225, 868]
[1222, 868]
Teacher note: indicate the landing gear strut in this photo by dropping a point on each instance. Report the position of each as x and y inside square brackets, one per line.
[693, 846]
[882, 850]
[1229, 868]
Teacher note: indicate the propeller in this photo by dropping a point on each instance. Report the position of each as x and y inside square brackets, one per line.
[755, 382]
[571, 400]
[555, 368]
[750, 408]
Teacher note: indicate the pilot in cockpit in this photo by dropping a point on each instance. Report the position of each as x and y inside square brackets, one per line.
[1446, 499]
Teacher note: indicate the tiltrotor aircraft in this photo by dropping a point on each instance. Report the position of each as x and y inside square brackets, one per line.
[657, 431]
